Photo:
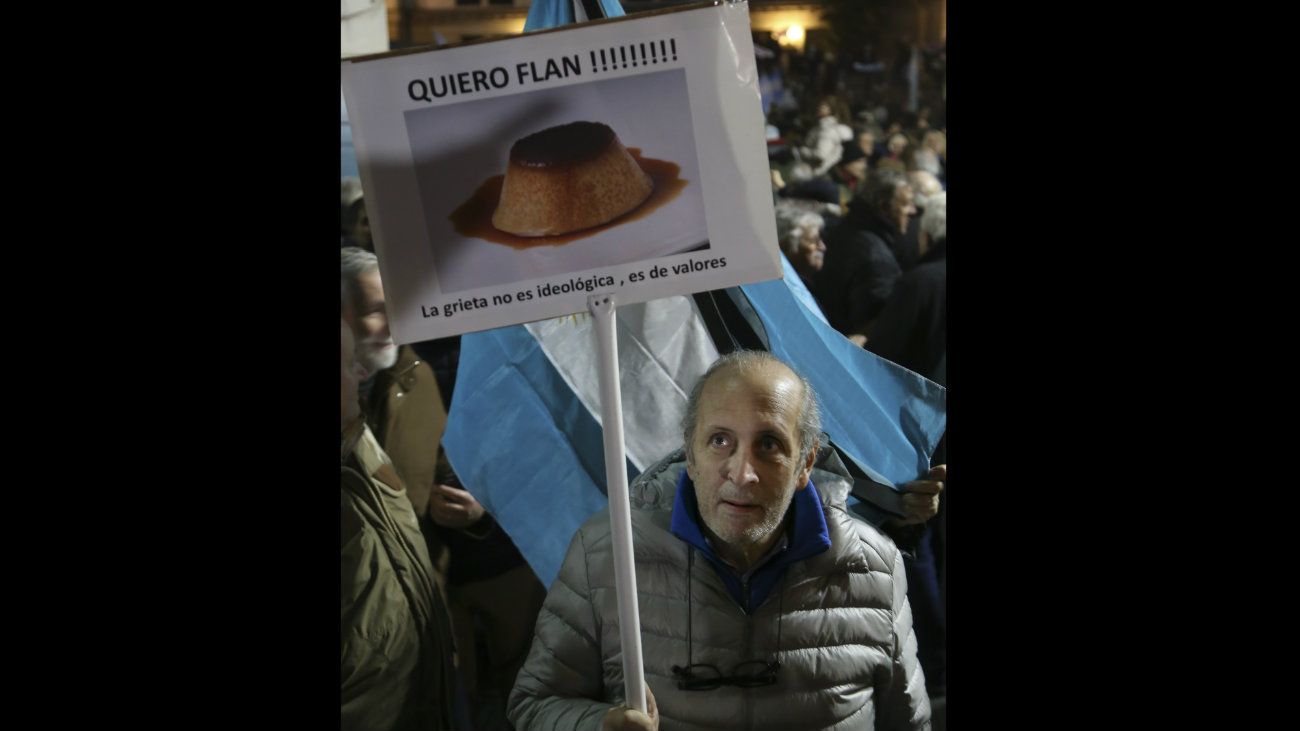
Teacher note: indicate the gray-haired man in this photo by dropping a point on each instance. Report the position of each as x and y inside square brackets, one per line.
[762, 602]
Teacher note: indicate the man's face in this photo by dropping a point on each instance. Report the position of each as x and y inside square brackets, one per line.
[867, 142]
[812, 250]
[901, 206]
[350, 407]
[745, 455]
[369, 320]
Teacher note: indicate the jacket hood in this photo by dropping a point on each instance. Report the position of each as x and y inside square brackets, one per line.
[656, 490]
[808, 534]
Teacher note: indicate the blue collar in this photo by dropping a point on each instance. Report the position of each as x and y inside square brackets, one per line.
[808, 536]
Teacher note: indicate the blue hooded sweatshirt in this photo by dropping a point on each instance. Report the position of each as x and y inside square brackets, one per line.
[806, 536]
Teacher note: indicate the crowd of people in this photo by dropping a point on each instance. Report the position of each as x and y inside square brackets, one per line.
[763, 602]
[860, 193]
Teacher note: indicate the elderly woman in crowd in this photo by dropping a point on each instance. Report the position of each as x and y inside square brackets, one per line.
[799, 232]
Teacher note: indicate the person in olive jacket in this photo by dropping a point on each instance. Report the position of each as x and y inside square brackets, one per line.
[396, 646]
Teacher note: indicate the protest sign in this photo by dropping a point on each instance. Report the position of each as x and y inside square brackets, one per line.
[507, 180]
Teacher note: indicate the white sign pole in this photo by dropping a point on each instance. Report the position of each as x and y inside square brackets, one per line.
[601, 307]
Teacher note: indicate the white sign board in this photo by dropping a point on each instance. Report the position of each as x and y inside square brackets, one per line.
[506, 181]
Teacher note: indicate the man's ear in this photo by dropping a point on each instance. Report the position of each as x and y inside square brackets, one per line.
[806, 469]
[690, 464]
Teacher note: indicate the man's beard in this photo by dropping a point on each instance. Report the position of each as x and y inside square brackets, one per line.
[374, 356]
[755, 532]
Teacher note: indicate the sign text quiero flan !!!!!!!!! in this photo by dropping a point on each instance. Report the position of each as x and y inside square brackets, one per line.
[595, 61]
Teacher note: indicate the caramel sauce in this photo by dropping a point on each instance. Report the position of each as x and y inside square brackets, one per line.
[473, 219]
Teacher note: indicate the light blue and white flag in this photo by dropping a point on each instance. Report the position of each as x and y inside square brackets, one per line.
[885, 417]
[548, 14]
[524, 432]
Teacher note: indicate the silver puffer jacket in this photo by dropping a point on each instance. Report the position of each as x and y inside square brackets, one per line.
[846, 646]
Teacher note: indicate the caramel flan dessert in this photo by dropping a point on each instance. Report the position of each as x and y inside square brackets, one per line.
[568, 178]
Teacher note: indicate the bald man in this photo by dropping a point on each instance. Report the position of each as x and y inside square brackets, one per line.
[762, 602]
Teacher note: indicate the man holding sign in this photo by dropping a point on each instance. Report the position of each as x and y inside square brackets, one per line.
[762, 602]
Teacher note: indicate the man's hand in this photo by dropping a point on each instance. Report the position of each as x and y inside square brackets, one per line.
[858, 339]
[622, 718]
[452, 507]
[921, 497]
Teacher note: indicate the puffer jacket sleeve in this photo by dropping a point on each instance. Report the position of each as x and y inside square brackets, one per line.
[903, 702]
[560, 685]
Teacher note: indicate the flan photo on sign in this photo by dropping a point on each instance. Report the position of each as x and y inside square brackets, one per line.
[559, 180]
